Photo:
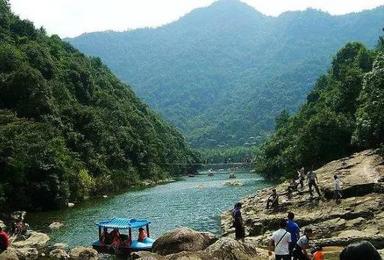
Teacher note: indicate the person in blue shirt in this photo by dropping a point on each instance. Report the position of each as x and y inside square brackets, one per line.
[294, 230]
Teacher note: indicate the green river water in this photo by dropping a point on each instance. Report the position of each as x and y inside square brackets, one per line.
[191, 202]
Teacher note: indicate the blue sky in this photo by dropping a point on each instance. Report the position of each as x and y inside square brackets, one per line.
[69, 18]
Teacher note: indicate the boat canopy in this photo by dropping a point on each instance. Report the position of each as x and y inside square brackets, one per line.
[123, 223]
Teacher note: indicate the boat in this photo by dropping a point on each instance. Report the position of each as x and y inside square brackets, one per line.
[124, 227]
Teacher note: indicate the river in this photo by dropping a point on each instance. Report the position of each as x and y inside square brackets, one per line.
[194, 202]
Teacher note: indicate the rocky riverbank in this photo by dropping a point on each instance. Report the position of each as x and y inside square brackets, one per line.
[359, 216]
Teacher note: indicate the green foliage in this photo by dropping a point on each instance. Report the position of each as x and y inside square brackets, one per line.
[222, 74]
[341, 104]
[370, 121]
[69, 128]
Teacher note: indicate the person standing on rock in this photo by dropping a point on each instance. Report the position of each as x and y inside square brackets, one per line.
[300, 251]
[312, 182]
[294, 230]
[4, 240]
[238, 222]
[280, 241]
[337, 194]
[301, 175]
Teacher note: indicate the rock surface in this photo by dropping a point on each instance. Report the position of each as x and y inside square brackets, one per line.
[83, 253]
[360, 215]
[35, 240]
[55, 225]
[9, 254]
[58, 253]
[182, 239]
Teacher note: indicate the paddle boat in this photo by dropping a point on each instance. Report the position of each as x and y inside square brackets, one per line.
[115, 236]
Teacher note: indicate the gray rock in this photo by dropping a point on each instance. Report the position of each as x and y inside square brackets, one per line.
[9, 254]
[59, 254]
[83, 253]
[55, 225]
[182, 239]
[35, 240]
[27, 253]
[231, 249]
[60, 246]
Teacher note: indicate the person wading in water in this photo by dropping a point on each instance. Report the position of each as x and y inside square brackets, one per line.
[238, 222]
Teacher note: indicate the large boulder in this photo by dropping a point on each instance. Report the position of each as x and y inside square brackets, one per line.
[231, 249]
[35, 240]
[182, 239]
[27, 253]
[58, 253]
[83, 253]
[9, 254]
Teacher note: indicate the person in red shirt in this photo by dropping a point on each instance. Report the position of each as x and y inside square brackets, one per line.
[4, 240]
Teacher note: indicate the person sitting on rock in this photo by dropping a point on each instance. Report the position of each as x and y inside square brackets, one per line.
[273, 200]
[291, 188]
[300, 251]
[142, 235]
[358, 251]
[4, 240]
[337, 194]
[312, 182]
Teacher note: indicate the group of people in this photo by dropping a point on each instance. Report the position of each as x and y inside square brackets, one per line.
[313, 184]
[115, 240]
[288, 244]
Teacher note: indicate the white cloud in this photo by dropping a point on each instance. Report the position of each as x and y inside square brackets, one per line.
[73, 17]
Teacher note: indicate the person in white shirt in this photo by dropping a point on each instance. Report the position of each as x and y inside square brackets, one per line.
[279, 242]
[338, 184]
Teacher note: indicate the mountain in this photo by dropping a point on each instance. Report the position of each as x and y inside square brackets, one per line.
[69, 128]
[222, 73]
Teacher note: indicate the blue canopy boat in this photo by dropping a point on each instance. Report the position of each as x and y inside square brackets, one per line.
[118, 243]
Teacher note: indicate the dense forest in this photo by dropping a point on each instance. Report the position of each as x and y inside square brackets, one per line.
[222, 73]
[69, 128]
[343, 114]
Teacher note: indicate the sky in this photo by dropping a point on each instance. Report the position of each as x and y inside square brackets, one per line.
[69, 18]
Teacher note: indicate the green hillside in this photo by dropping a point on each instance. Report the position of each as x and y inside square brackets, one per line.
[342, 114]
[222, 73]
[69, 128]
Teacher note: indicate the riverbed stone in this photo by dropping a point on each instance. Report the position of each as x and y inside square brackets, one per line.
[60, 246]
[182, 239]
[59, 253]
[83, 253]
[231, 249]
[27, 253]
[9, 254]
[55, 225]
[36, 240]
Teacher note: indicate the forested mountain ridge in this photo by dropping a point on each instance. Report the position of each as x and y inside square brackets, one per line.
[222, 73]
[343, 114]
[69, 128]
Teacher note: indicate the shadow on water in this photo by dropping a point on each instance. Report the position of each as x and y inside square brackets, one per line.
[192, 202]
